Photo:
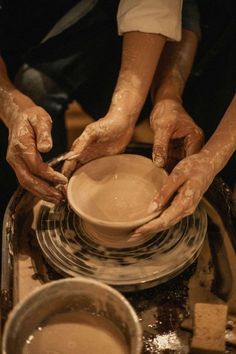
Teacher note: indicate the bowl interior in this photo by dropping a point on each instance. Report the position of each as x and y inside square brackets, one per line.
[116, 189]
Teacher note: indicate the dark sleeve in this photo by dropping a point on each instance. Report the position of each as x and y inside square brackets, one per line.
[191, 17]
[24, 23]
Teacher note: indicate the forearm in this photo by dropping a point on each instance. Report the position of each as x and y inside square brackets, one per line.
[10, 97]
[174, 68]
[222, 144]
[140, 55]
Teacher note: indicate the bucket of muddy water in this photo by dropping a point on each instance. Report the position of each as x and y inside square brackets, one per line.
[72, 316]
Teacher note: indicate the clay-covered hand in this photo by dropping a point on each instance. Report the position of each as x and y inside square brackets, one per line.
[183, 190]
[107, 136]
[30, 134]
[175, 133]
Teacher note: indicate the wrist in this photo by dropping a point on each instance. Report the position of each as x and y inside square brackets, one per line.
[164, 107]
[169, 102]
[169, 97]
[126, 104]
[171, 88]
[122, 119]
[21, 100]
[12, 103]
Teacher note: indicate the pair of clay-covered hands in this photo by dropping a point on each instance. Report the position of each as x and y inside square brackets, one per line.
[177, 139]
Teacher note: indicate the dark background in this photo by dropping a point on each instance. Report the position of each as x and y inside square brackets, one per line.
[208, 92]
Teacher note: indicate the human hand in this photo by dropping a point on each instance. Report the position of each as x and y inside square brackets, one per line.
[189, 179]
[30, 133]
[107, 136]
[175, 134]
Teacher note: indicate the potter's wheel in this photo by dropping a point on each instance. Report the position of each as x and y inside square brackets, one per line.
[72, 251]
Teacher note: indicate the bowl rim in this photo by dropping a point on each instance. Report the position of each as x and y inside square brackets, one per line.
[80, 280]
[112, 224]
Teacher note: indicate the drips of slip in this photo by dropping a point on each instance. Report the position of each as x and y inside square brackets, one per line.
[76, 332]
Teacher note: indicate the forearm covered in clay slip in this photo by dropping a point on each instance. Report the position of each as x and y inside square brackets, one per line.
[140, 55]
[222, 144]
[10, 97]
[174, 68]
[8, 108]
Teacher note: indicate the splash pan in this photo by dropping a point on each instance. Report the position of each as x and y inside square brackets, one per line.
[74, 251]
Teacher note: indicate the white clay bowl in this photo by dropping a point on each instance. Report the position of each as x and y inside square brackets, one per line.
[112, 195]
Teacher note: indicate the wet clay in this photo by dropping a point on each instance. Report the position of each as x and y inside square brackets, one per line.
[76, 333]
[123, 197]
[115, 189]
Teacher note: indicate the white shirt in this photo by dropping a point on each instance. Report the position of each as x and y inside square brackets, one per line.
[151, 16]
